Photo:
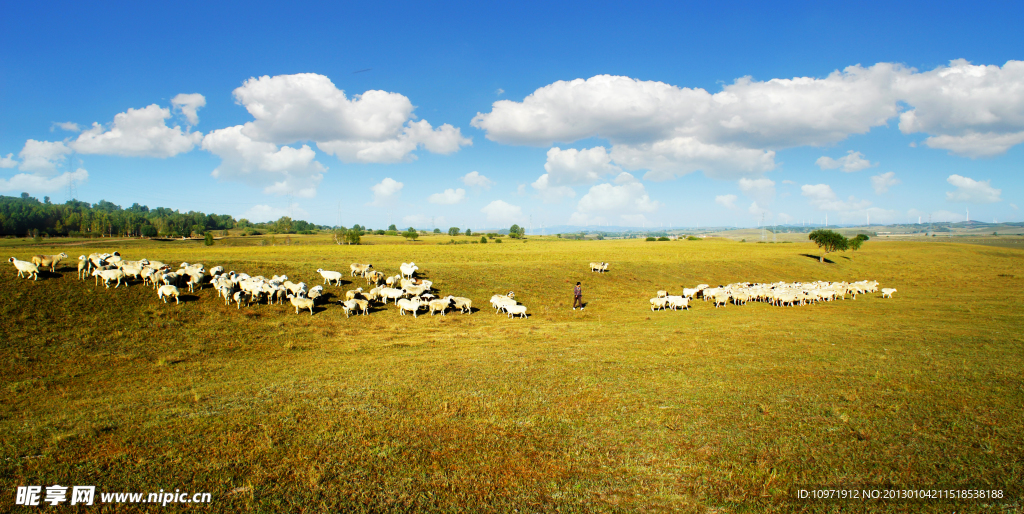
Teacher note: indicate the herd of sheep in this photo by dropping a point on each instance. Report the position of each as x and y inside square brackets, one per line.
[778, 293]
[408, 293]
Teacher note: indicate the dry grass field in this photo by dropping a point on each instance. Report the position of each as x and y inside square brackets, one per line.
[611, 409]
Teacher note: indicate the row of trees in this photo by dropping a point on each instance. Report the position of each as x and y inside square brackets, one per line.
[26, 215]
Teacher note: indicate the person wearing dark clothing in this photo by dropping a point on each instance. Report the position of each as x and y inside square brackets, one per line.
[577, 294]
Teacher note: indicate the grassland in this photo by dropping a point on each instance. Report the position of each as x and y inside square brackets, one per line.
[615, 408]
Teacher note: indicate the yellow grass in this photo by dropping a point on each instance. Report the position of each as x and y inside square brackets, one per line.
[615, 408]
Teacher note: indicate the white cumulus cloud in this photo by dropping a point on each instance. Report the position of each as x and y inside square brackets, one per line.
[603, 201]
[475, 179]
[42, 157]
[670, 130]
[376, 126]
[137, 133]
[727, 201]
[385, 191]
[503, 213]
[578, 167]
[280, 171]
[822, 197]
[448, 197]
[971, 110]
[882, 182]
[762, 190]
[551, 193]
[34, 183]
[65, 125]
[188, 104]
[852, 161]
[9, 161]
[972, 191]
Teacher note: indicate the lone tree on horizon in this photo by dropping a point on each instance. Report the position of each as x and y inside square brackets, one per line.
[829, 241]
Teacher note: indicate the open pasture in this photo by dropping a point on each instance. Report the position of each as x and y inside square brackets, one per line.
[615, 408]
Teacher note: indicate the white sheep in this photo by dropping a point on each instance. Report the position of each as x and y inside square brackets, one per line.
[677, 302]
[499, 302]
[110, 274]
[315, 293]
[408, 269]
[25, 267]
[887, 292]
[512, 310]
[415, 290]
[50, 261]
[374, 277]
[348, 306]
[353, 294]
[360, 269]
[329, 276]
[83, 266]
[392, 293]
[439, 305]
[301, 303]
[166, 291]
[406, 304]
[659, 303]
[662, 294]
[465, 304]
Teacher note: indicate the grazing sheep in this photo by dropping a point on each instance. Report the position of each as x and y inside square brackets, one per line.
[405, 304]
[195, 278]
[392, 293]
[374, 277]
[408, 269]
[329, 276]
[166, 291]
[110, 274]
[662, 294]
[49, 261]
[364, 306]
[348, 306]
[465, 304]
[353, 294]
[659, 303]
[512, 310]
[415, 290]
[83, 266]
[500, 302]
[301, 303]
[599, 267]
[678, 302]
[439, 305]
[315, 293]
[360, 269]
[25, 267]
[887, 292]
[296, 289]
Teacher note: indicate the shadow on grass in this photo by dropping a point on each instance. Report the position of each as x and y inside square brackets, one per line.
[817, 257]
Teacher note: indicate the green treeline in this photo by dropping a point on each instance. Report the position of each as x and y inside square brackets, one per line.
[25, 215]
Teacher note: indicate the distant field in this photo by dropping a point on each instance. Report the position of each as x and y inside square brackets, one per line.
[615, 408]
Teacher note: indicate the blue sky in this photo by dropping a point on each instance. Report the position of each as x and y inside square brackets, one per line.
[569, 114]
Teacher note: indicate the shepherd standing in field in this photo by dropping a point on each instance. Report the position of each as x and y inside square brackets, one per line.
[577, 294]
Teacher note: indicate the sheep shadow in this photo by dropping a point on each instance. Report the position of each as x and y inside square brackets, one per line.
[818, 258]
[187, 298]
